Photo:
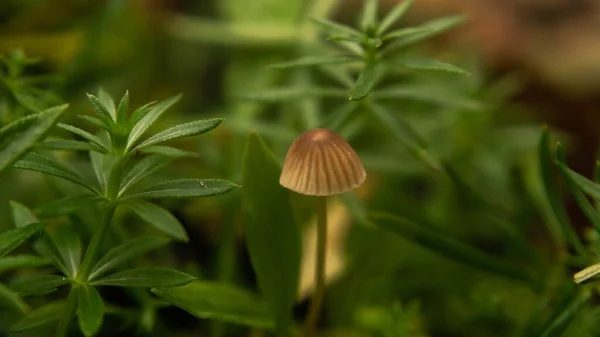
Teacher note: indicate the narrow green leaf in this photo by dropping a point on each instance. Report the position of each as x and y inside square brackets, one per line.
[21, 215]
[160, 219]
[107, 101]
[126, 251]
[96, 122]
[448, 247]
[559, 325]
[21, 262]
[39, 163]
[285, 94]
[334, 28]
[141, 170]
[149, 118]
[340, 115]
[67, 144]
[48, 313]
[168, 151]
[553, 194]
[394, 15]
[123, 108]
[185, 188]
[93, 139]
[39, 284]
[18, 137]
[272, 235]
[369, 15]
[11, 300]
[588, 186]
[101, 110]
[406, 33]
[364, 83]
[14, 238]
[101, 168]
[315, 61]
[146, 278]
[430, 29]
[69, 247]
[219, 301]
[427, 64]
[90, 309]
[141, 112]
[584, 204]
[182, 131]
[66, 206]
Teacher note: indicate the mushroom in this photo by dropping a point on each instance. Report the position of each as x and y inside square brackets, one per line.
[321, 163]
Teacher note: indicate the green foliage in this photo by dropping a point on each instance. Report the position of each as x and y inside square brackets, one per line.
[145, 278]
[14, 238]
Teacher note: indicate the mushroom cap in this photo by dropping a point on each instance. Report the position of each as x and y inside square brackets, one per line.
[321, 162]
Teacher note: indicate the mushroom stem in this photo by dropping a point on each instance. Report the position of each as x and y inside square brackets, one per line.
[318, 294]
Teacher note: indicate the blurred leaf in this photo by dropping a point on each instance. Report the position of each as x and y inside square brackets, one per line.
[285, 94]
[160, 219]
[449, 247]
[21, 135]
[146, 278]
[12, 239]
[11, 300]
[369, 15]
[394, 15]
[588, 186]
[565, 316]
[364, 83]
[69, 246]
[106, 116]
[430, 29]
[38, 285]
[21, 262]
[168, 151]
[39, 163]
[334, 28]
[148, 119]
[90, 309]
[21, 215]
[73, 145]
[66, 206]
[553, 194]
[141, 170]
[315, 60]
[426, 64]
[405, 33]
[47, 313]
[107, 101]
[93, 139]
[126, 251]
[218, 301]
[272, 235]
[123, 108]
[96, 122]
[181, 131]
[185, 188]
[339, 116]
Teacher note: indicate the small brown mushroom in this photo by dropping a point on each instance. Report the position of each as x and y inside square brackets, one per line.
[321, 163]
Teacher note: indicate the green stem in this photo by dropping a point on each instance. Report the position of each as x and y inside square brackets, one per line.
[93, 250]
[318, 295]
[63, 324]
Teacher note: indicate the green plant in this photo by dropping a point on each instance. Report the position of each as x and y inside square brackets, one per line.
[121, 159]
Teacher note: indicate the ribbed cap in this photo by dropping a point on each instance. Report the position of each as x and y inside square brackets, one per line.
[320, 162]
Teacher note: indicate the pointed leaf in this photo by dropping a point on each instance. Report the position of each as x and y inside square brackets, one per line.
[141, 170]
[123, 108]
[48, 313]
[141, 112]
[588, 186]
[394, 15]
[38, 285]
[21, 215]
[96, 122]
[557, 327]
[185, 188]
[66, 206]
[146, 278]
[219, 301]
[69, 247]
[21, 262]
[369, 17]
[90, 309]
[93, 139]
[126, 251]
[285, 94]
[430, 29]
[584, 204]
[39, 163]
[168, 151]
[11, 300]
[21, 135]
[101, 110]
[364, 83]
[334, 28]
[448, 247]
[160, 219]
[273, 237]
[425, 64]
[14, 238]
[182, 131]
[107, 101]
[406, 33]
[149, 118]
[315, 60]
[73, 145]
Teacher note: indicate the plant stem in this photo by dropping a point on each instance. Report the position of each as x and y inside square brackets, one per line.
[63, 324]
[317, 299]
[91, 253]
